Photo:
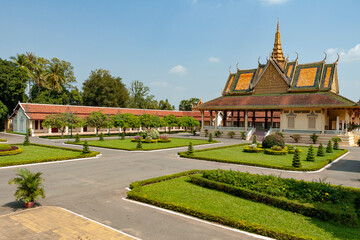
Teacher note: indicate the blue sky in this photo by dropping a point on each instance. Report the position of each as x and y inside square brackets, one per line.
[183, 48]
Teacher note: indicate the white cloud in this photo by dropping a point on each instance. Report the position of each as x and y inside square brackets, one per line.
[351, 55]
[161, 84]
[273, 2]
[214, 59]
[178, 69]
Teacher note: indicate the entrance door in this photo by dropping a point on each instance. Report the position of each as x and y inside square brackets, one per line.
[54, 130]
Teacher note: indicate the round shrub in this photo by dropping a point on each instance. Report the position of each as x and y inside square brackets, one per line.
[5, 147]
[273, 140]
[154, 134]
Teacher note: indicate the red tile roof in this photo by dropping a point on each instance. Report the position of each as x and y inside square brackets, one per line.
[40, 111]
[278, 101]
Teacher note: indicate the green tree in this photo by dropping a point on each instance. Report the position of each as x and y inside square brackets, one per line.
[187, 105]
[320, 151]
[3, 111]
[329, 147]
[62, 120]
[102, 89]
[139, 145]
[101, 138]
[98, 120]
[125, 121]
[336, 141]
[296, 163]
[310, 155]
[77, 138]
[26, 139]
[255, 140]
[140, 95]
[210, 138]
[165, 105]
[146, 120]
[171, 121]
[12, 87]
[190, 150]
[86, 148]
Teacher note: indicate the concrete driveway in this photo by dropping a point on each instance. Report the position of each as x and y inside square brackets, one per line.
[94, 188]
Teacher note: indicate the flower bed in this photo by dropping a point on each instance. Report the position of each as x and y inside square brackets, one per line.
[11, 150]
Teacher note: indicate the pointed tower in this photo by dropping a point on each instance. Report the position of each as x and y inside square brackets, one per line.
[277, 50]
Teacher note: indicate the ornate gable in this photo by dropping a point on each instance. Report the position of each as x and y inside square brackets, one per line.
[271, 81]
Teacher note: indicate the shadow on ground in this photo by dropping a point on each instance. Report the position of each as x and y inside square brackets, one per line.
[18, 205]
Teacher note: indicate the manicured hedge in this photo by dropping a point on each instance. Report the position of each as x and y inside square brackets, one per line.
[151, 141]
[3, 140]
[136, 194]
[275, 152]
[91, 154]
[14, 151]
[253, 150]
[184, 155]
[326, 214]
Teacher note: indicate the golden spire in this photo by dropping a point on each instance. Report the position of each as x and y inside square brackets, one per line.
[277, 50]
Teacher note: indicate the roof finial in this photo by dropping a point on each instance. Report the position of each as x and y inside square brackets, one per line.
[237, 66]
[230, 69]
[325, 56]
[278, 25]
[259, 60]
[337, 58]
[297, 56]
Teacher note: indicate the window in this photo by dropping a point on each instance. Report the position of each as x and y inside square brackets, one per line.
[36, 125]
[312, 122]
[291, 122]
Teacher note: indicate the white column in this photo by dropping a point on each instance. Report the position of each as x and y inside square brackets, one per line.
[246, 120]
[202, 121]
[343, 125]
[337, 123]
[323, 122]
[81, 129]
[232, 118]
[31, 128]
[49, 130]
[66, 129]
[281, 121]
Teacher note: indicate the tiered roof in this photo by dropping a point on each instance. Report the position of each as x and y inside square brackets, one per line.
[277, 85]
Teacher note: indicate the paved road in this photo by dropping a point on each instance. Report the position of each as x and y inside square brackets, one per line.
[95, 188]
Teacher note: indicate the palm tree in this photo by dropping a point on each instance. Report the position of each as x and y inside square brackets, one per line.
[29, 185]
[55, 76]
[39, 73]
[20, 60]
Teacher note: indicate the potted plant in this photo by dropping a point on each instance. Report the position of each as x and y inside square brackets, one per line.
[231, 134]
[29, 186]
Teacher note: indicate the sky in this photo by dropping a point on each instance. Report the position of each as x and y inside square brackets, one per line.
[183, 48]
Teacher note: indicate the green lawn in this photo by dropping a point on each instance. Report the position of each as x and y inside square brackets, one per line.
[126, 144]
[36, 153]
[184, 194]
[235, 154]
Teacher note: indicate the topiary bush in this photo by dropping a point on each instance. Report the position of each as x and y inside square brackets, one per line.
[86, 148]
[26, 140]
[101, 137]
[320, 151]
[206, 132]
[154, 134]
[273, 140]
[296, 163]
[190, 150]
[329, 148]
[77, 138]
[243, 136]
[314, 138]
[310, 155]
[139, 145]
[217, 134]
[336, 141]
[210, 138]
[123, 136]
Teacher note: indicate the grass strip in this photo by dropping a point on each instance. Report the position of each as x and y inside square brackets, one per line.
[234, 154]
[178, 194]
[38, 153]
[128, 145]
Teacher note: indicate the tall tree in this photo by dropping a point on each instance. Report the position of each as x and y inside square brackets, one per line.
[140, 96]
[165, 105]
[12, 86]
[102, 89]
[62, 120]
[187, 105]
[126, 120]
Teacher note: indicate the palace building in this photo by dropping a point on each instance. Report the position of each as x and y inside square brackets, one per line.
[283, 96]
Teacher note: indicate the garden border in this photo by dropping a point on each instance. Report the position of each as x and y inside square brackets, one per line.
[238, 224]
[144, 150]
[307, 170]
[54, 159]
